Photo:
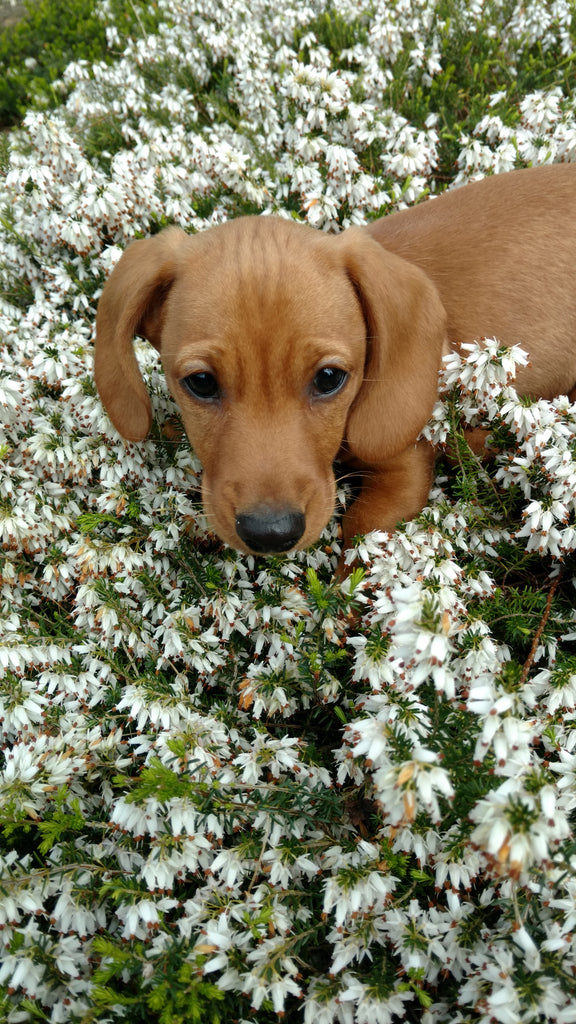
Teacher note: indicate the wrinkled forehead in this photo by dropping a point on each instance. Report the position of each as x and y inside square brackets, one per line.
[262, 275]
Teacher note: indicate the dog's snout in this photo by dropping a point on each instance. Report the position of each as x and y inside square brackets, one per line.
[270, 530]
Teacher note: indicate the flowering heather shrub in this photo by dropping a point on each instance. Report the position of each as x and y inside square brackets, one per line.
[232, 789]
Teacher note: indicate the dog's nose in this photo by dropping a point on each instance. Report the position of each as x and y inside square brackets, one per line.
[270, 530]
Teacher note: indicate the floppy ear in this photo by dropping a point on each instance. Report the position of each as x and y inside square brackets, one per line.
[132, 302]
[406, 329]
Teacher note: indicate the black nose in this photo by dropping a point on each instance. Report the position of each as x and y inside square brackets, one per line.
[270, 530]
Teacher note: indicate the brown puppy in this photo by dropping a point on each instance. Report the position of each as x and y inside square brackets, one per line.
[285, 347]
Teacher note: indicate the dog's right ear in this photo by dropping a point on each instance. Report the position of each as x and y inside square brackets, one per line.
[132, 302]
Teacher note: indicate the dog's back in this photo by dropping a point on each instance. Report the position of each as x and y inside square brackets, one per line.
[502, 254]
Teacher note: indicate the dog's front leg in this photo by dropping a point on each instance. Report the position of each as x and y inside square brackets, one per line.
[391, 491]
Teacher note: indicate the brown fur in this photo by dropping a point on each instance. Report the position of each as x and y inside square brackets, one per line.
[262, 304]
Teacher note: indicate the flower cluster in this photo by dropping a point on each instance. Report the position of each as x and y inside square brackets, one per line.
[232, 788]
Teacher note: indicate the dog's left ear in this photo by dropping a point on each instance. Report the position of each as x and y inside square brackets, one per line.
[406, 330]
[132, 302]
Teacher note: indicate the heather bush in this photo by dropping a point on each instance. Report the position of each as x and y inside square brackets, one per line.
[236, 789]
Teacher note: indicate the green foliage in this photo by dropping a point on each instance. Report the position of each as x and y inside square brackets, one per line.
[176, 994]
[35, 51]
[188, 1000]
[65, 821]
[334, 32]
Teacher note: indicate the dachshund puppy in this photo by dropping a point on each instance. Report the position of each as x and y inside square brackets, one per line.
[286, 348]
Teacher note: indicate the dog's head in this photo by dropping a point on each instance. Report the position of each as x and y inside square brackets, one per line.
[281, 346]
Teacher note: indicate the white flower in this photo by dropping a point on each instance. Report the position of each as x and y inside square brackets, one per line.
[514, 829]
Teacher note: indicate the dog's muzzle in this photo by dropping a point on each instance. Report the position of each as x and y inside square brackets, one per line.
[270, 530]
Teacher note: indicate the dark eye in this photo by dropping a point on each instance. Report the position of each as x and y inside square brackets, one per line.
[202, 385]
[329, 380]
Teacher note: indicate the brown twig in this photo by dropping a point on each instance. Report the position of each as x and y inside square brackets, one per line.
[541, 626]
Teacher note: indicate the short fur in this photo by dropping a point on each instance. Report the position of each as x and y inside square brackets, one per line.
[263, 304]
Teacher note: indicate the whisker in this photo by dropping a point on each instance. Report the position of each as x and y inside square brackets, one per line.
[353, 476]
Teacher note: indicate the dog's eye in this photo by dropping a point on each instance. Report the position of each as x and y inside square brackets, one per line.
[329, 380]
[202, 385]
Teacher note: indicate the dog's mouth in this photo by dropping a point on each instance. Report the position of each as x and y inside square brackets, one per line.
[269, 529]
[266, 523]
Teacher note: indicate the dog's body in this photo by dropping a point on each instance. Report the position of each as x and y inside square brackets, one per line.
[285, 347]
[502, 254]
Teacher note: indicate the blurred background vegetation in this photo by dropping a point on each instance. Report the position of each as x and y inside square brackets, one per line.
[39, 38]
